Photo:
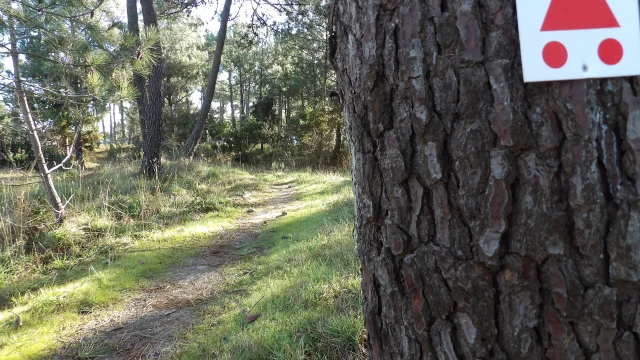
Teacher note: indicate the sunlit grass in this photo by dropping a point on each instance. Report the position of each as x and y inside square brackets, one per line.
[121, 232]
[306, 287]
[124, 234]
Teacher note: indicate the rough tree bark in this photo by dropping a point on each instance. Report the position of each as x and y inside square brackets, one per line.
[43, 170]
[154, 100]
[138, 79]
[494, 219]
[198, 129]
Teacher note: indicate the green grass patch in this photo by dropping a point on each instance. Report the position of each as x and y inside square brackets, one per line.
[124, 234]
[306, 287]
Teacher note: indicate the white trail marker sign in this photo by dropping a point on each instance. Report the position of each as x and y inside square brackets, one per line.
[578, 39]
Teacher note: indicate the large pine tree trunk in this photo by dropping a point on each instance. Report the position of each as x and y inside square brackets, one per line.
[152, 148]
[494, 219]
[138, 79]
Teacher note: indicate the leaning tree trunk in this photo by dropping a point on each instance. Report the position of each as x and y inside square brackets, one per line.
[198, 130]
[494, 219]
[154, 101]
[45, 173]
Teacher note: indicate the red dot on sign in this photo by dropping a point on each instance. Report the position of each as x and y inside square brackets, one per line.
[610, 51]
[555, 54]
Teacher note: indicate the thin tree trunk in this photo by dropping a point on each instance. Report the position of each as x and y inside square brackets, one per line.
[130, 130]
[152, 157]
[241, 86]
[112, 124]
[124, 134]
[280, 106]
[223, 105]
[287, 111]
[260, 83]
[196, 135]
[75, 85]
[247, 111]
[314, 92]
[233, 113]
[45, 175]
[104, 128]
[325, 67]
[494, 219]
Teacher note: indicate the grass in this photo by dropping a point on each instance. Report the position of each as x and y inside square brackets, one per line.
[306, 288]
[124, 233]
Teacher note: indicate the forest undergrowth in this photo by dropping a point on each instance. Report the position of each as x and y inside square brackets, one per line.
[125, 234]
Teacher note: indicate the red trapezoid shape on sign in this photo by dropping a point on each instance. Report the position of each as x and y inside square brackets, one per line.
[579, 15]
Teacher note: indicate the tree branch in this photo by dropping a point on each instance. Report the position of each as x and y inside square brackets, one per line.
[70, 153]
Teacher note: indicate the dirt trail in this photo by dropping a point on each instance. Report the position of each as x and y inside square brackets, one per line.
[148, 326]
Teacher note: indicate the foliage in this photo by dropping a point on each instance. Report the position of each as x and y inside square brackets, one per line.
[15, 149]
